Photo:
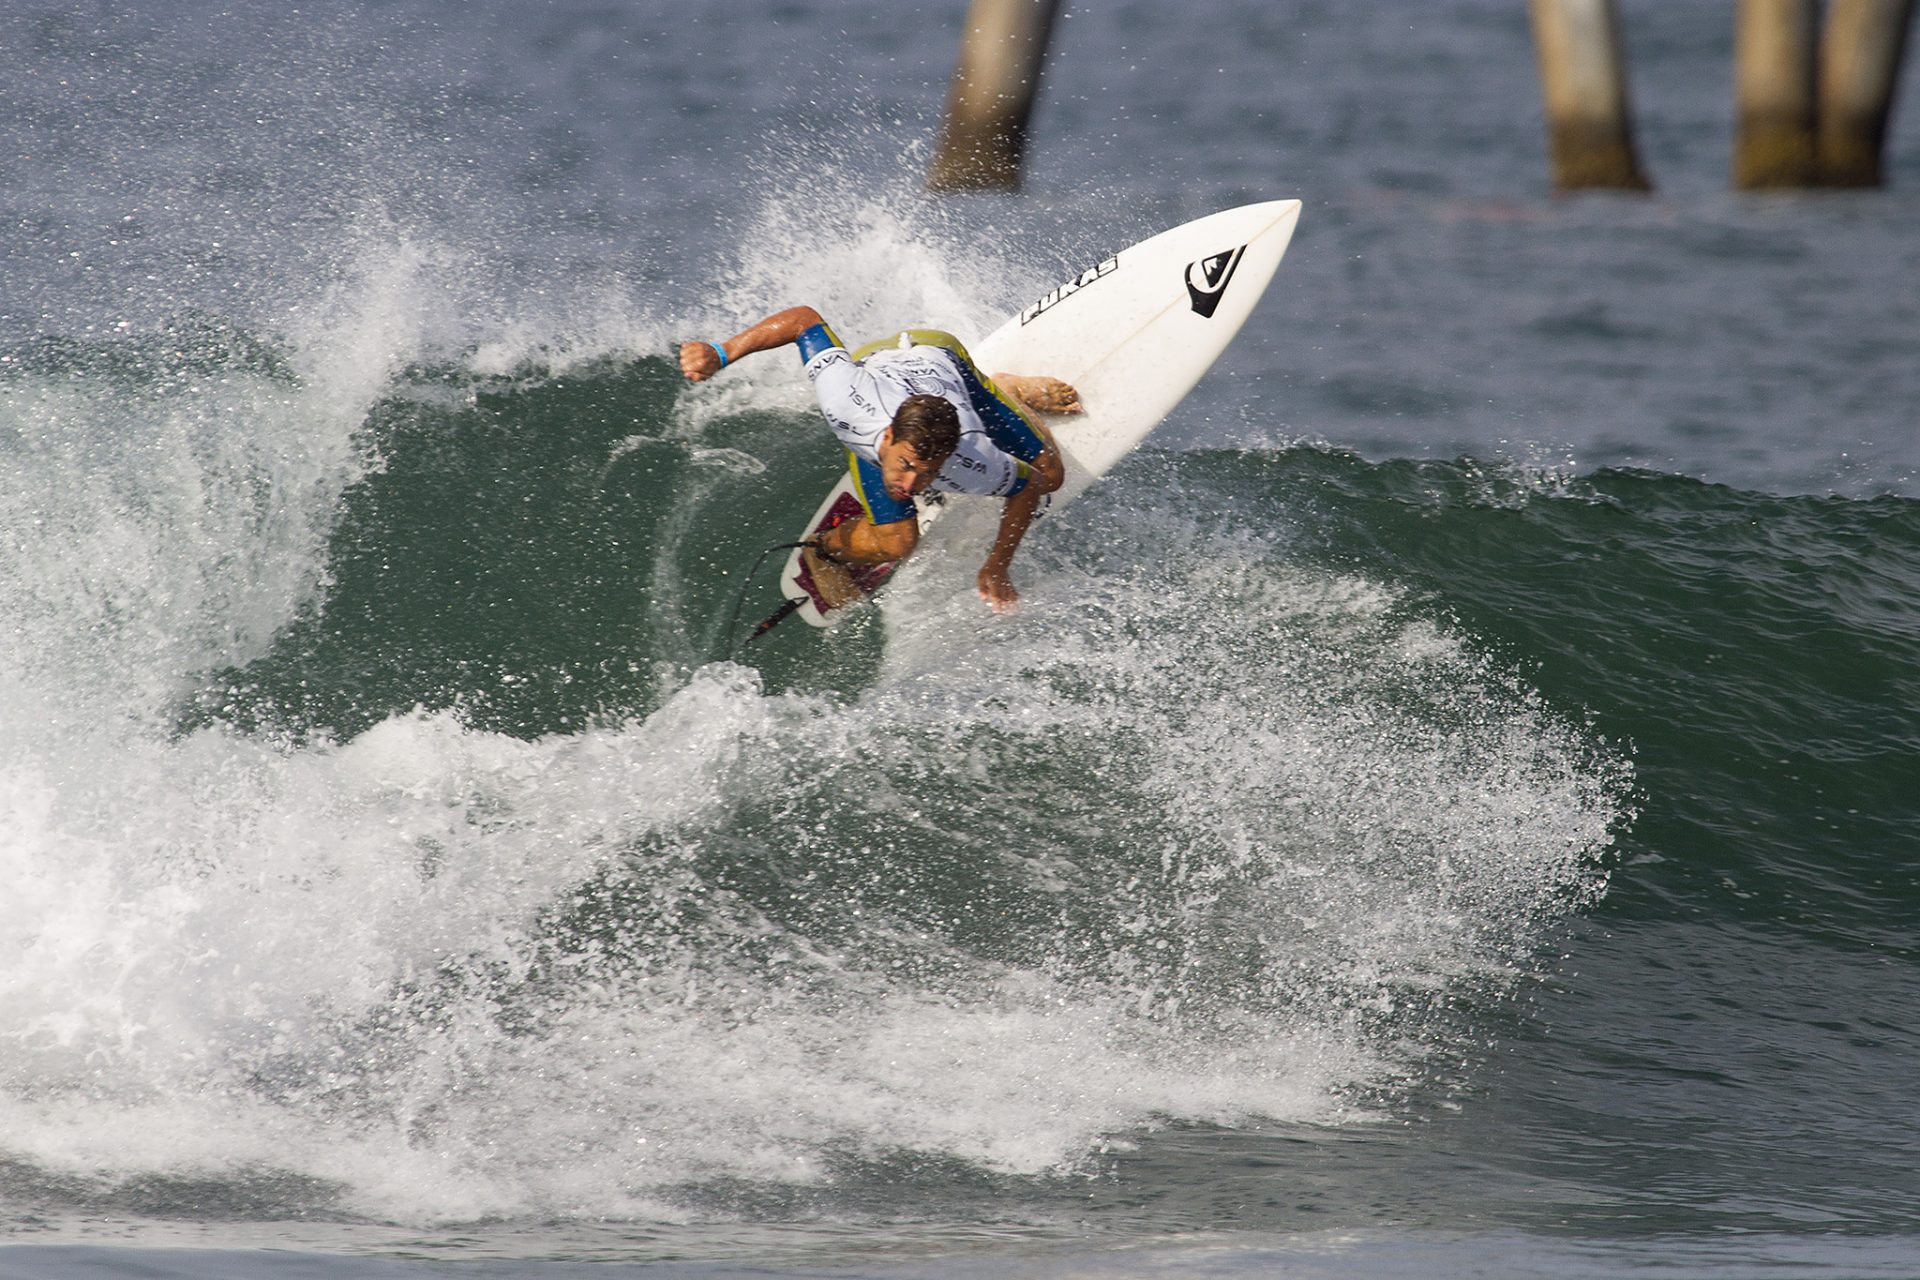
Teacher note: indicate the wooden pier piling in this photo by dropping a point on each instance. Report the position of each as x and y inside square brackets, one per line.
[1584, 80]
[1861, 51]
[984, 138]
[1774, 54]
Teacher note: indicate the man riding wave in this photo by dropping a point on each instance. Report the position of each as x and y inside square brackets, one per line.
[915, 416]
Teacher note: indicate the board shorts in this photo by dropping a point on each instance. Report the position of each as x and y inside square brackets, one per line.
[860, 390]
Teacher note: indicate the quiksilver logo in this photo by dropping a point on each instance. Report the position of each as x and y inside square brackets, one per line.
[1207, 280]
[1071, 287]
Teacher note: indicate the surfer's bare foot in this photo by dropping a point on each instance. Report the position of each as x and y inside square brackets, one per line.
[1041, 393]
[832, 578]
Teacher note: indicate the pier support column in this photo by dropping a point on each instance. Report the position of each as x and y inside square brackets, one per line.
[984, 140]
[1584, 79]
[1860, 55]
[1774, 52]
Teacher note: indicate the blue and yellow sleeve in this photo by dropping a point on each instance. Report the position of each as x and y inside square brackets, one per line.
[817, 339]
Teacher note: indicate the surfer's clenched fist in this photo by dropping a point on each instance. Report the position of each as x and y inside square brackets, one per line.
[699, 361]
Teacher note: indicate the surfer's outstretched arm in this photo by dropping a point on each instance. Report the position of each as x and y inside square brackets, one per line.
[1049, 473]
[701, 360]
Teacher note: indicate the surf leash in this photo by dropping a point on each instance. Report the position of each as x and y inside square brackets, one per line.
[780, 615]
[774, 619]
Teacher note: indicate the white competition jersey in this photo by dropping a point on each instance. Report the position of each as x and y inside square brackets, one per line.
[859, 401]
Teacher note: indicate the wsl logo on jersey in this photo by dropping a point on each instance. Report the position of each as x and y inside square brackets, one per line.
[1208, 278]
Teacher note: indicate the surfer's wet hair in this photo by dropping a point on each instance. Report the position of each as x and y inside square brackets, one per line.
[929, 425]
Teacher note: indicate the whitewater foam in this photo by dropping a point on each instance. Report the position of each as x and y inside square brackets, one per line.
[1199, 836]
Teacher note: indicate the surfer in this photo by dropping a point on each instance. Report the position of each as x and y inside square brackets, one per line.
[915, 416]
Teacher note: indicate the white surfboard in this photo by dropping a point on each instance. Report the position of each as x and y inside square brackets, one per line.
[1133, 333]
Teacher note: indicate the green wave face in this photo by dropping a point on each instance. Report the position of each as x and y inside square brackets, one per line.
[1292, 773]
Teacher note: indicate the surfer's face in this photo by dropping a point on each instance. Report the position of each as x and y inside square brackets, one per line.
[903, 470]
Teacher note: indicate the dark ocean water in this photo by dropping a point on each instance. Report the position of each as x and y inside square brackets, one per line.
[1447, 807]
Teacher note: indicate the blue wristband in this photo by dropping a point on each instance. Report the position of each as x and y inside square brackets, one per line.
[721, 352]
